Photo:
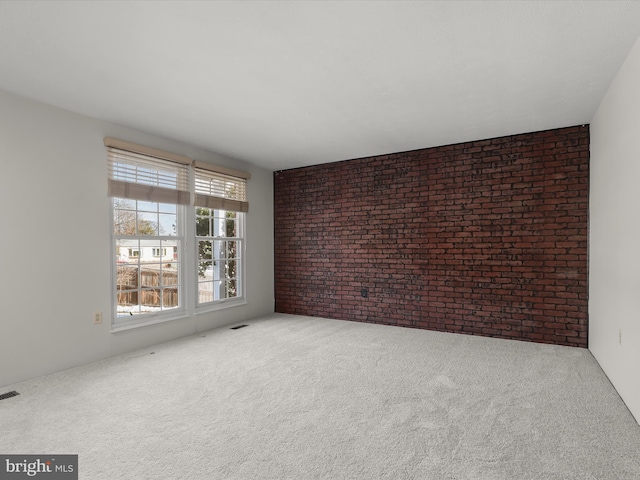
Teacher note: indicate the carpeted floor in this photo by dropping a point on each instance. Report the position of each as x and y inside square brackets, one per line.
[293, 397]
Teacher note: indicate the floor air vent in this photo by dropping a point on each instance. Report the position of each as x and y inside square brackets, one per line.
[4, 396]
[239, 326]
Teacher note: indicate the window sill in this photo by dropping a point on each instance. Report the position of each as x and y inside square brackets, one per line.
[147, 320]
[221, 305]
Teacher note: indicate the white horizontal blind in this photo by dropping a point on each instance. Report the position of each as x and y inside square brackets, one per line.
[220, 188]
[143, 177]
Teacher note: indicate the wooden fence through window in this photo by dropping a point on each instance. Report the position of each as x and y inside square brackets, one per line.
[154, 287]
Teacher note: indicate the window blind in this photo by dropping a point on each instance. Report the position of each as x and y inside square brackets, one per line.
[220, 188]
[142, 173]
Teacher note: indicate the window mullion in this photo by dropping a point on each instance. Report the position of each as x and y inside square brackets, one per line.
[190, 251]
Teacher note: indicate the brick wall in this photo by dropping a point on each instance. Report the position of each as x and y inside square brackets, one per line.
[485, 238]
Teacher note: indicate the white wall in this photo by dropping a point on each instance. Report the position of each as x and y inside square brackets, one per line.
[53, 200]
[614, 268]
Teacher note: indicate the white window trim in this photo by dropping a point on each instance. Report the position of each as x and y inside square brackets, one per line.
[227, 302]
[188, 282]
[119, 324]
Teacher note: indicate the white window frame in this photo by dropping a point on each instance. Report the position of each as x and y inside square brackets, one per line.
[239, 299]
[120, 323]
[186, 199]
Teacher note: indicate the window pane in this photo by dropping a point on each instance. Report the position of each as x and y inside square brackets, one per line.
[127, 251]
[128, 304]
[231, 269]
[124, 217]
[217, 226]
[147, 206]
[168, 224]
[170, 297]
[218, 291]
[205, 249]
[147, 223]
[231, 230]
[205, 270]
[205, 252]
[221, 250]
[167, 208]
[203, 222]
[205, 292]
[126, 277]
[149, 275]
[169, 276]
[232, 249]
[150, 299]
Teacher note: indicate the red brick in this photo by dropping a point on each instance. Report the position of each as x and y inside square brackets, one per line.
[486, 238]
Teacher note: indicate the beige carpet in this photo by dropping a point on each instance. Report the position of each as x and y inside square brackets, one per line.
[293, 397]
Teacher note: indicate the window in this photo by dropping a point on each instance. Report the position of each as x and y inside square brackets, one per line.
[147, 281]
[149, 194]
[220, 205]
[156, 198]
[220, 245]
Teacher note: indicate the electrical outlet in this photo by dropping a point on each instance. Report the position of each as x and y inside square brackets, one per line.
[97, 318]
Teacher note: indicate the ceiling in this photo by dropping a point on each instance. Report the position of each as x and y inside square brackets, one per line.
[289, 84]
